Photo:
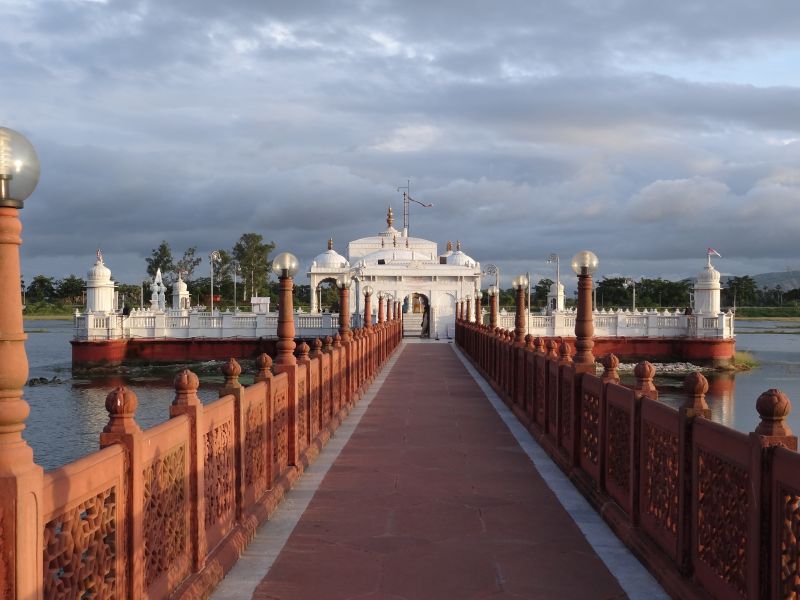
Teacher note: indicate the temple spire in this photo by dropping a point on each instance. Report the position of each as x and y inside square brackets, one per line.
[449, 246]
[458, 245]
[390, 218]
[330, 243]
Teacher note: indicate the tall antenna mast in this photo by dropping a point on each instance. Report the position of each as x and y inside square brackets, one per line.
[407, 199]
[406, 194]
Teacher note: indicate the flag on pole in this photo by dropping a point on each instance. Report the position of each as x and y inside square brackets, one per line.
[711, 251]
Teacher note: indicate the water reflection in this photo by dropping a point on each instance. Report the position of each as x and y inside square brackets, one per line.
[66, 418]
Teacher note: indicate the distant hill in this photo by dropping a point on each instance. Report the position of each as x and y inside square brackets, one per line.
[788, 280]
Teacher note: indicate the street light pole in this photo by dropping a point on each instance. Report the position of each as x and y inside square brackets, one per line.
[213, 257]
[235, 265]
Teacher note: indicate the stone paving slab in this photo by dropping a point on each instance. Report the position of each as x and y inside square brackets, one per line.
[434, 498]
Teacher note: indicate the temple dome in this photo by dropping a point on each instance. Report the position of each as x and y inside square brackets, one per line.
[330, 259]
[180, 286]
[396, 255]
[99, 273]
[709, 275]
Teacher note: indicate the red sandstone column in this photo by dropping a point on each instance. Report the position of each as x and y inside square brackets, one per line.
[122, 429]
[468, 309]
[21, 479]
[368, 307]
[380, 308]
[344, 307]
[584, 263]
[187, 403]
[493, 291]
[478, 316]
[520, 284]
[286, 265]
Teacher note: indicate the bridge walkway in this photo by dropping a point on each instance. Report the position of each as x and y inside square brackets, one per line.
[433, 497]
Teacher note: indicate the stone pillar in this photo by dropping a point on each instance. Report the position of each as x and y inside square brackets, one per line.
[21, 479]
[344, 311]
[493, 312]
[380, 309]
[285, 345]
[367, 311]
[468, 310]
[519, 320]
[478, 315]
[584, 325]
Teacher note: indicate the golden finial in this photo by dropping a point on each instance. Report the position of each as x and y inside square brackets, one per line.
[449, 246]
[390, 217]
[330, 243]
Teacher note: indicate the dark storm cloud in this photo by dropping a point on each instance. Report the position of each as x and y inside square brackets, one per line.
[533, 127]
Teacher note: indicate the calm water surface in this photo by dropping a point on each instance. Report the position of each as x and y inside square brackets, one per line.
[66, 418]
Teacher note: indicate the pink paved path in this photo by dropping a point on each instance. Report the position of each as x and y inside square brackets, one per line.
[433, 498]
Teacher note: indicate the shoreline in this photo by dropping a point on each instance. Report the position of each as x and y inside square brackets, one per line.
[46, 317]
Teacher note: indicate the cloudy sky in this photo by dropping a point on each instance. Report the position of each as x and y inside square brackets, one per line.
[643, 131]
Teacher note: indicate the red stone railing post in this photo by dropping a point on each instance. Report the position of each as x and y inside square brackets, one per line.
[122, 429]
[644, 386]
[610, 363]
[187, 403]
[694, 407]
[231, 371]
[286, 266]
[21, 480]
[773, 407]
[264, 373]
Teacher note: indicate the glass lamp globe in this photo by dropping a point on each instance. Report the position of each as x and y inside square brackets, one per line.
[478, 294]
[286, 264]
[493, 291]
[522, 281]
[19, 168]
[344, 281]
[368, 290]
[585, 259]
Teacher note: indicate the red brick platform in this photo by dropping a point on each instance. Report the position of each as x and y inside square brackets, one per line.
[432, 497]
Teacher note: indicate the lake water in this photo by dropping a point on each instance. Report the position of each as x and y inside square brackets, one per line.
[67, 417]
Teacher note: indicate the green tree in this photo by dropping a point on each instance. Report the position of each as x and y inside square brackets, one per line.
[613, 292]
[540, 292]
[160, 258]
[70, 288]
[41, 289]
[740, 291]
[188, 263]
[253, 255]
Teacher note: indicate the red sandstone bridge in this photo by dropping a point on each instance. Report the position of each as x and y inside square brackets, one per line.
[373, 467]
[498, 467]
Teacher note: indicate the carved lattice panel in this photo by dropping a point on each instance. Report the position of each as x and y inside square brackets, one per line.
[618, 451]
[552, 397]
[219, 474]
[540, 390]
[164, 520]
[326, 392]
[590, 427]
[255, 443]
[280, 443]
[660, 477]
[566, 408]
[302, 414]
[314, 408]
[790, 544]
[722, 506]
[80, 550]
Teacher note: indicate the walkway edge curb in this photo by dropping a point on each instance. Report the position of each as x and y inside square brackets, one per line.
[632, 576]
[256, 561]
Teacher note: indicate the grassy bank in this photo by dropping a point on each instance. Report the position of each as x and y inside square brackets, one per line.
[745, 361]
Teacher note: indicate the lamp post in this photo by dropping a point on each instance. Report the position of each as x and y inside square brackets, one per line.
[584, 263]
[20, 478]
[493, 291]
[367, 306]
[478, 315]
[235, 267]
[631, 283]
[554, 258]
[381, 297]
[468, 309]
[286, 265]
[520, 284]
[212, 258]
[343, 282]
